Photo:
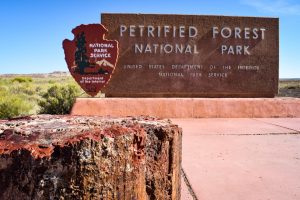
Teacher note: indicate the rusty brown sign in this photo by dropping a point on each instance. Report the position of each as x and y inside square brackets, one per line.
[91, 58]
[193, 56]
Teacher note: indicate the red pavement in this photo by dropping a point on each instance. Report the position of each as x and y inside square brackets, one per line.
[241, 159]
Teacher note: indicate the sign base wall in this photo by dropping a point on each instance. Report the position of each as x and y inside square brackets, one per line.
[189, 107]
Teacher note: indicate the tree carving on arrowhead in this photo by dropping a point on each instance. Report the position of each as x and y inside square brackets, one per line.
[91, 58]
[81, 58]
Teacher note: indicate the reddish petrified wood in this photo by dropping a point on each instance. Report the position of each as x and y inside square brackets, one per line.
[71, 157]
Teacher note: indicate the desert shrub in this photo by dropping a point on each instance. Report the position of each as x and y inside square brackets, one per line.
[38, 89]
[21, 79]
[3, 89]
[58, 99]
[12, 105]
[26, 88]
[51, 81]
[21, 85]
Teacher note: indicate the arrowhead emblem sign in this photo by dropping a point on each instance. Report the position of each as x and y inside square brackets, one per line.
[91, 58]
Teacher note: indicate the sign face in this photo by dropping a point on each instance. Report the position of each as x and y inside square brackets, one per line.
[91, 59]
[193, 56]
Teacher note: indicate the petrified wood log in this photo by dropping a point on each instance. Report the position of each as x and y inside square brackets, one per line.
[70, 157]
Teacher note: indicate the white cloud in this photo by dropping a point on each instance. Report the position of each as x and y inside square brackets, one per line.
[275, 6]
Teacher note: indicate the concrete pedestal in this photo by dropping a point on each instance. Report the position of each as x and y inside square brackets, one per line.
[189, 107]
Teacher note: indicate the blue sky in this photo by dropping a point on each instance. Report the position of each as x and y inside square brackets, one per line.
[32, 31]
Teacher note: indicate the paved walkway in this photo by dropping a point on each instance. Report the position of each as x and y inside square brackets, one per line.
[241, 158]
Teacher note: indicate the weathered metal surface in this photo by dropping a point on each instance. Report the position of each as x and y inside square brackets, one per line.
[91, 59]
[193, 55]
[71, 157]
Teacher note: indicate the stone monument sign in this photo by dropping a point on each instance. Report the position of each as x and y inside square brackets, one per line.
[193, 56]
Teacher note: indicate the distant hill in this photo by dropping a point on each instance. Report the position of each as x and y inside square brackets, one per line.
[39, 75]
[289, 79]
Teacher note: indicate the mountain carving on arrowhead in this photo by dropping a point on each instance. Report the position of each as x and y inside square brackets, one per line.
[105, 63]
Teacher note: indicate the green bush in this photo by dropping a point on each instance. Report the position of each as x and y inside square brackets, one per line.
[58, 99]
[13, 106]
[25, 88]
[51, 81]
[21, 79]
